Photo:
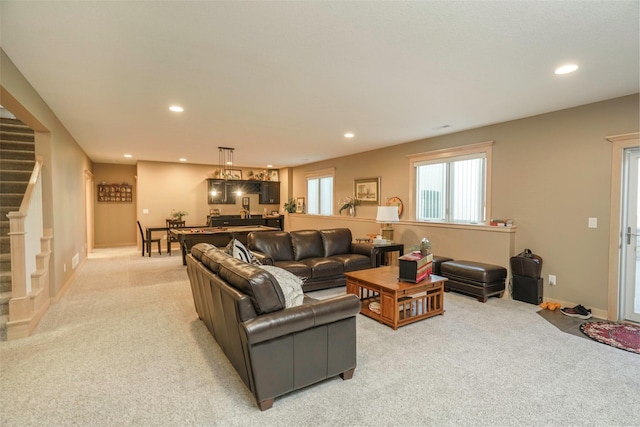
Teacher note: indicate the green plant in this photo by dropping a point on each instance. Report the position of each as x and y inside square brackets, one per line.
[348, 203]
[178, 214]
[290, 206]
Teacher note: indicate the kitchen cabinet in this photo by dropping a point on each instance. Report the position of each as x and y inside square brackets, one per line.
[270, 193]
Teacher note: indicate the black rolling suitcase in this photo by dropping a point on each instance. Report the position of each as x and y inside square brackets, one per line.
[526, 283]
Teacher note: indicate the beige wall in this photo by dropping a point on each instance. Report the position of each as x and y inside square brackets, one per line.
[114, 223]
[162, 187]
[550, 174]
[63, 173]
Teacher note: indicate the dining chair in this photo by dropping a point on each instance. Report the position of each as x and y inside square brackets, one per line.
[146, 244]
[173, 223]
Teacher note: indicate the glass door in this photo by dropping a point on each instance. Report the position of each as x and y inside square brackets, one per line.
[630, 271]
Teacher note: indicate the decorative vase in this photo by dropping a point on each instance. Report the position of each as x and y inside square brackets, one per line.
[352, 211]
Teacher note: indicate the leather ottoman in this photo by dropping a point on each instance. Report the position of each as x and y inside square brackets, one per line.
[474, 278]
[437, 262]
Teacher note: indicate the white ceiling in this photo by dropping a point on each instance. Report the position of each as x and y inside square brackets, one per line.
[281, 82]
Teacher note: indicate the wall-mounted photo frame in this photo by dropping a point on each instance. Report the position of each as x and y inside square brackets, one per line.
[367, 190]
[300, 205]
[274, 175]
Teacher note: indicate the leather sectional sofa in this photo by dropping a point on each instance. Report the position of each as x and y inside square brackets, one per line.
[274, 349]
[320, 257]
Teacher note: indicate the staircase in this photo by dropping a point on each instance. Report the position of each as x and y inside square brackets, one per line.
[17, 159]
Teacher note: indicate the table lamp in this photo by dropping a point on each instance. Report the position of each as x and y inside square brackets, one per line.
[387, 215]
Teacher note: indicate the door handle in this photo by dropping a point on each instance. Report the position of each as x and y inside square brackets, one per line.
[629, 234]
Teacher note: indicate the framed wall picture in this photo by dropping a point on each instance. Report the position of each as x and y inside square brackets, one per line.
[367, 190]
[274, 175]
[234, 174]
[300, 205]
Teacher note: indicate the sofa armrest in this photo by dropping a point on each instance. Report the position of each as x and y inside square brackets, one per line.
[300, 318]
[262, 257]
[365, 249]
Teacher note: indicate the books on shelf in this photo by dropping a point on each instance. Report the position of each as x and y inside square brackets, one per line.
[501, 222]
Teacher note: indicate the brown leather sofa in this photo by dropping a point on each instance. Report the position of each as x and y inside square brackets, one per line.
[274, 349]
[320, 257]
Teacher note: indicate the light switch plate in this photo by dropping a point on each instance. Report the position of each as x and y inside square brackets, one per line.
[593, 222]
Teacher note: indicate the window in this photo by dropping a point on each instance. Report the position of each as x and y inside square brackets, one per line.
[453, 185]
[320, 193]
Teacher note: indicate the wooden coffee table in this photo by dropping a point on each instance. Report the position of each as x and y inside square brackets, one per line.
[400, 303]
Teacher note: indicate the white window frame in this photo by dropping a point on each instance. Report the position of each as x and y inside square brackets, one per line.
[323, 173]
[445, 154]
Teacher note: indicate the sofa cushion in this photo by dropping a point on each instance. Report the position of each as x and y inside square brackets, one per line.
[296, 267]
[323, 267]
[290, 284]
[199, 249]
[306, 244]
[275, 244]
[353, 262]
[336, 241]
[259, 285]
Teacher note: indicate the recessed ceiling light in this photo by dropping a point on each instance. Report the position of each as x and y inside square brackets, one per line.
[176, 109]
[183, 159]
[269, 166]
[569, 68]
[349, 135]
[128, 156]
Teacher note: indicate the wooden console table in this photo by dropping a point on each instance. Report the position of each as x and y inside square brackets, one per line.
[400, 303]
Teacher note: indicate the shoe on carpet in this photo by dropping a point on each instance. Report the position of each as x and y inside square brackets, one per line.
[578, 311]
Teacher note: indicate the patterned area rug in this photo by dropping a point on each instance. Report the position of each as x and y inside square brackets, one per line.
[619, 335]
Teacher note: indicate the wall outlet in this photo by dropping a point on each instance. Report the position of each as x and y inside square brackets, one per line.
[552, 279]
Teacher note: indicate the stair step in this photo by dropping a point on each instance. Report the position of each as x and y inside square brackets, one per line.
[8, 154]
[9, 164]
[15, 175]
[5, 281]
[4, 226]
[6, 143]
[4, 302]
[5, 244]
[3, 327]
[5, 262]
[6, 208]
[11, 199]
[16, 136]
[12, 187]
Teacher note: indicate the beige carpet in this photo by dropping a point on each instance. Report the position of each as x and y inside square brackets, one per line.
[124, 347]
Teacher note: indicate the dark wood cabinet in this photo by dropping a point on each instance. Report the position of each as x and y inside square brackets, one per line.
[220, 192]
[270, 193]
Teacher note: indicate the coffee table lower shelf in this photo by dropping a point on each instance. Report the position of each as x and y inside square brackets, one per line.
[396, 303]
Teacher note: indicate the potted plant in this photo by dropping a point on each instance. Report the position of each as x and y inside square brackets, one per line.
[349, 203]
[290, 206]
[177, 215]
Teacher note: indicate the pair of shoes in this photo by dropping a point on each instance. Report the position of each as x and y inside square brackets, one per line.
[578, 311]
[550, 305]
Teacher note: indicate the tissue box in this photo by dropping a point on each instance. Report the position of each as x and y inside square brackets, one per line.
[414, 267]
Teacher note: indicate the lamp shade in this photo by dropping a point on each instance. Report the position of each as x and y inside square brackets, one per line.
[387, 214]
